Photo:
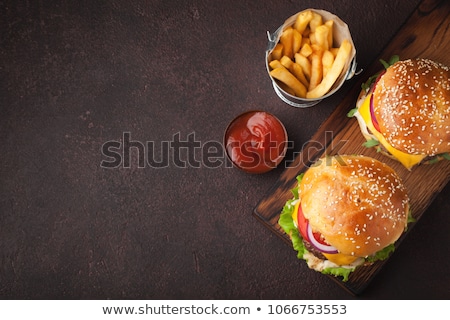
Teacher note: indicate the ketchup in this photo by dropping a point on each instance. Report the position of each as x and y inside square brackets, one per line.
[256, 141]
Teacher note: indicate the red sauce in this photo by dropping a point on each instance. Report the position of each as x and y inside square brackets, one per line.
[256, 141]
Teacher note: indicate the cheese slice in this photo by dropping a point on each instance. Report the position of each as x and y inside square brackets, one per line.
[340, 259]
[363, 115]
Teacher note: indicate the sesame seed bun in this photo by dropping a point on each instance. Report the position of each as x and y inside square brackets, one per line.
[357, 203]
[411, 103]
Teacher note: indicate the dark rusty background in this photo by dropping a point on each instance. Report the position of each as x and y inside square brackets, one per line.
[77, 74]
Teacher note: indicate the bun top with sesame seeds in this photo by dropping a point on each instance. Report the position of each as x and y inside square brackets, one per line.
[357, 203]
[411, 103]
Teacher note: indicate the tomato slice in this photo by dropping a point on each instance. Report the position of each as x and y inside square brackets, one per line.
[319, 238]
[302, 223]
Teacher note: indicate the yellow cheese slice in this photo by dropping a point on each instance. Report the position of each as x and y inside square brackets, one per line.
[408, 160]
[340, 258]
[295, 213]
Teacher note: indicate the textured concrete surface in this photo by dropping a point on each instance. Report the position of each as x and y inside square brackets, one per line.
[78, 74]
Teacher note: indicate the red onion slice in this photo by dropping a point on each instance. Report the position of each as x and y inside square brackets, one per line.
[372, 115]
[372, 112]
[319, 246]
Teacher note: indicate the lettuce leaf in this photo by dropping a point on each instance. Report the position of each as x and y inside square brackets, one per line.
[391, 61]
[287, 224]
[342, 272]
[352, 112]
[366, 85]
[383, 254]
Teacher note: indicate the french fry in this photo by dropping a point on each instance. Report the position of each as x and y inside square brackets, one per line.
[334, 51]
[304, 63]
[295, 69]
[286, 62]
[316, 48]
[330, 25]
[299, 74]
[275, 64]
[286, 40]
[296, 41]
[303, 20]
[306, 50]
[327, 61]
[305, 40]
[277, 52]
[315, 21]
[316, 70]
[321, 36]
[286, 88]
[338, 65]
[312, 38]
[283, 75]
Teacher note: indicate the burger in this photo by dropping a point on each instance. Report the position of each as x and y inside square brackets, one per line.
[347, 212]
[404, 111]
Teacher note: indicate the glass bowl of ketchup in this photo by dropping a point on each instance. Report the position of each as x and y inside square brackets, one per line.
[256, 141]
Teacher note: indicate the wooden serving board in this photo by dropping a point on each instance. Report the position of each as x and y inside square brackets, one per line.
[426, 34]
